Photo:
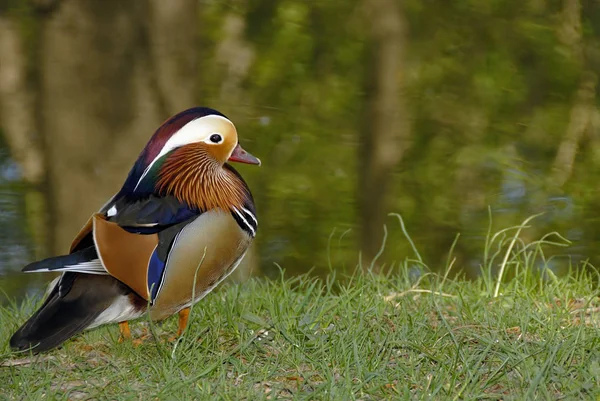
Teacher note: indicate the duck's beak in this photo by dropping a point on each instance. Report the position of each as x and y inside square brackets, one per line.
[241, 156]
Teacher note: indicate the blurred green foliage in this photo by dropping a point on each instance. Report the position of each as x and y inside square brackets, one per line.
[489, 85]
[490, 89]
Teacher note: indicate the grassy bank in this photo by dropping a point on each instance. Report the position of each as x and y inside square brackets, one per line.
[400, 336]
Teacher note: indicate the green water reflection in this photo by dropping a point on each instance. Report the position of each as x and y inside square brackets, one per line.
[500, 100]
[516, 194]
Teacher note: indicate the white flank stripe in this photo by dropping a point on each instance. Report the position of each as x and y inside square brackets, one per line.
[251, 215]
[245, 221]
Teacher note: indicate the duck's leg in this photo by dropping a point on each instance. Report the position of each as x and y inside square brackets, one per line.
[124, 330]
[184, 315]
[126, 334]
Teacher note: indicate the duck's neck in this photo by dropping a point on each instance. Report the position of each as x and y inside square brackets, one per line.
[193, 177]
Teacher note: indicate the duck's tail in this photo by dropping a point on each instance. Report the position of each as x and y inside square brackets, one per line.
[76, 302]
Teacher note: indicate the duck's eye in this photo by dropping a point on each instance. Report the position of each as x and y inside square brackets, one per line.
[216, 138]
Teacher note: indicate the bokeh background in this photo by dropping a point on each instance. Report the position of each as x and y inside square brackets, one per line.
[438, 110]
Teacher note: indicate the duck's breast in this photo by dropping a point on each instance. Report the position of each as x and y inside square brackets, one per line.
[209, 249]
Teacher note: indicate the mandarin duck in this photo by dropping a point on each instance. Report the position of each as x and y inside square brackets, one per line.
[180, 224]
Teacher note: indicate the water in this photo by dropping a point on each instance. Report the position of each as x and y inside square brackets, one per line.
[516, 195]
[493, 93]
[16, 248]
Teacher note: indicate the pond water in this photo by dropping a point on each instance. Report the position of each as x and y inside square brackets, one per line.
[514, 195]
[500, 103]
[16, 249]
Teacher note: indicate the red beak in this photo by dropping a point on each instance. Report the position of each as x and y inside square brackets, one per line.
[241, 156]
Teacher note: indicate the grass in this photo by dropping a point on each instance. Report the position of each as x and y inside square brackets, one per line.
[521, 334]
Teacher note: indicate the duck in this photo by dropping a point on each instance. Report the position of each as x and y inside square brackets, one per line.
[180, 224]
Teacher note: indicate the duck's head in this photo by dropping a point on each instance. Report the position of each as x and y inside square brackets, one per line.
[203, 129]
[211, 133]
[188, 152]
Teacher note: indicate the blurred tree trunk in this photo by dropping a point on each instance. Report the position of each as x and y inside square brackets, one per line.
[583, 109]
[235, 56]
[109, 73]
[386, 132]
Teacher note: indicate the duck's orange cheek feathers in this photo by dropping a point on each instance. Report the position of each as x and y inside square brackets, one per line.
[193, 176]
[221, 151]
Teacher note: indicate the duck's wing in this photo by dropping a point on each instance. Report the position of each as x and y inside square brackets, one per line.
[149, 215]
[129, 241]
[82, 261]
